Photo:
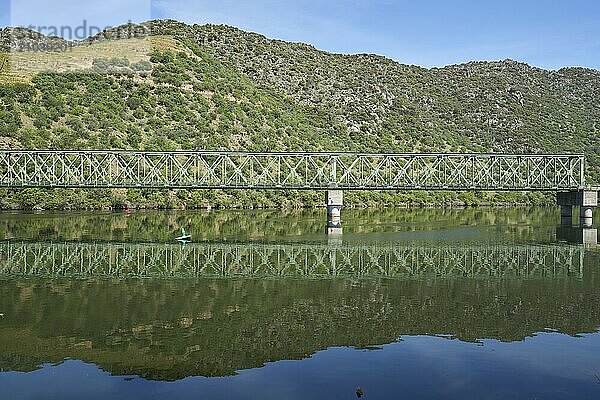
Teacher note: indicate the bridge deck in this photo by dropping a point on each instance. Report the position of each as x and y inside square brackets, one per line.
[303, 171]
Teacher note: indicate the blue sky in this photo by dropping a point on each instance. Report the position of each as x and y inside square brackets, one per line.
[545, 33]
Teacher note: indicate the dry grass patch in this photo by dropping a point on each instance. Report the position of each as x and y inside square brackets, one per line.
[23, 66]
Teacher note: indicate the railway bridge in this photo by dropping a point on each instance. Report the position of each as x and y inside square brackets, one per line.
[328, 171]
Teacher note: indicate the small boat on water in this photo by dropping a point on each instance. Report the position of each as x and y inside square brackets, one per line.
[184, 236]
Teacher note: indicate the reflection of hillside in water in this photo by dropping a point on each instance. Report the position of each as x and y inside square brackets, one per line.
[168, 330]
[536, 224]
[477, 273]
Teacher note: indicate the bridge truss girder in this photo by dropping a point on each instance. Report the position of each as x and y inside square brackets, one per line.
[314, 171]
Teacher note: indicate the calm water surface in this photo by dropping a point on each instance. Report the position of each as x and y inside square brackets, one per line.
[443, 304]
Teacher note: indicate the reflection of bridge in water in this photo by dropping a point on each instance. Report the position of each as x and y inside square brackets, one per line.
[154, 260]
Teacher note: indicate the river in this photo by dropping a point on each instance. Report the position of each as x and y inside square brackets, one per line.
[415, 304]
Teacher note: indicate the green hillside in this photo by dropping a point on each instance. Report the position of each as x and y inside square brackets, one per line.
[216, 87]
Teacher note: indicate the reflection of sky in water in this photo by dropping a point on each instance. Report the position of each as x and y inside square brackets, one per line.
[548, 366]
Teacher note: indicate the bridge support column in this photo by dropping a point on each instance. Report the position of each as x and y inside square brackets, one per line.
[585, 199]
[586, 215]
[566, 215]
[577, 235]
[334, 201]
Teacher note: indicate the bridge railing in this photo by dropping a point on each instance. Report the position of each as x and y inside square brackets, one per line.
[235, 170]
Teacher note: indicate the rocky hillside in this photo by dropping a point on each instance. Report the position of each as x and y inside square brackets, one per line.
[175, 86]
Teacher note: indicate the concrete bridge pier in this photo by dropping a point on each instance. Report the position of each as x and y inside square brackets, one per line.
[577, 235]
[334, 201]
[566, 215]
[585, 199]
[586, 215]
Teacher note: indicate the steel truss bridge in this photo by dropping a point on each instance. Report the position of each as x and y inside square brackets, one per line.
[231, 170]
[389, 260]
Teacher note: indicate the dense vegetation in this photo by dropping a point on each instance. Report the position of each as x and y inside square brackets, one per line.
[217, 87]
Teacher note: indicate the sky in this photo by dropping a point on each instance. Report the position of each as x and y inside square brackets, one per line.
[546, 33]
